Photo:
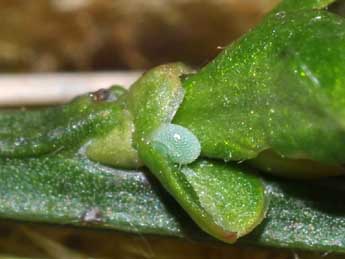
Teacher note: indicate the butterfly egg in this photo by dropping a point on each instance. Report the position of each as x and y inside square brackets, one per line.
[179, 143]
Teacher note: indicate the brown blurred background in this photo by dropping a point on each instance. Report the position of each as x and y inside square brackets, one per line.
[88, 35]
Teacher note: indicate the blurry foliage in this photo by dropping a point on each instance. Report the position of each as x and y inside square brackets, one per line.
[55, 35]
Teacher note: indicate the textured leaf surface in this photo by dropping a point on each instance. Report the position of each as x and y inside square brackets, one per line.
[69, 189]
[36, 132]
[272, 90]
[224, 201]
[305, 215]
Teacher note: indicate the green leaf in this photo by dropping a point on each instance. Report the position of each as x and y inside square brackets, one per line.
[280, 88]
[224, 201]
[305, 215]
[36, 132]
[70, 189]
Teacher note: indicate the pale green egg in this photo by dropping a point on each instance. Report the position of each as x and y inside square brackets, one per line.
[179, 143]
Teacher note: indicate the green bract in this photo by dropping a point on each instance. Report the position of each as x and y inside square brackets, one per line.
[274, 99]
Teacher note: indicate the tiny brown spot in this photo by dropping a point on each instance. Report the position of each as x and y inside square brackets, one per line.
[100, 95]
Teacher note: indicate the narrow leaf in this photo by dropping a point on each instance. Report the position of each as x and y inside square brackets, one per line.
[70, 189]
